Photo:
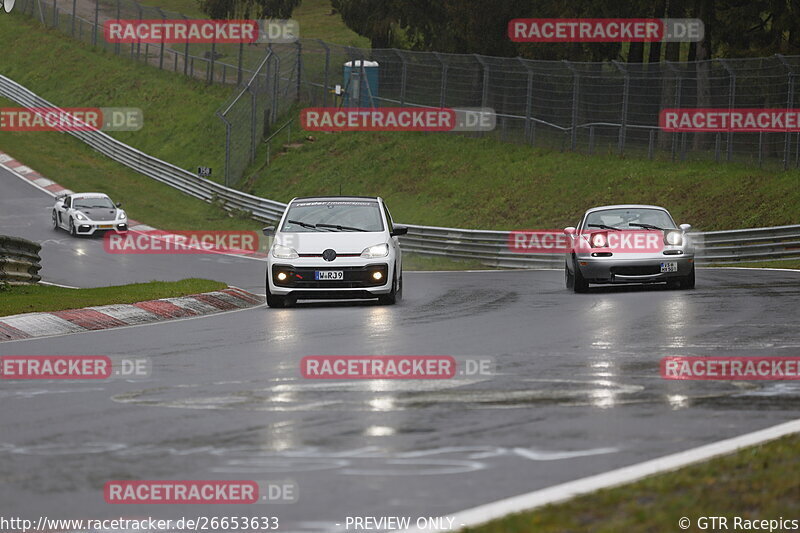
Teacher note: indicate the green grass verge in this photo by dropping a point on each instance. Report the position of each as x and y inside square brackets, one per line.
[754, 483]
[179, 122]
[18, 299]
[448, 180]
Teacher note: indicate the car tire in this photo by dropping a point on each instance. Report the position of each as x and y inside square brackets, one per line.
[55, 220]
[72, 230]
[274, 300]
[688, 281]
[569, 278]
[392, 297]
[579, 285]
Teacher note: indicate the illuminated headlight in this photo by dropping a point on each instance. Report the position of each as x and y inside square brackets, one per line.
[379, 250]
[284, 252]
[598, 240]
[121, 215]
[80, 216]
[674, 238]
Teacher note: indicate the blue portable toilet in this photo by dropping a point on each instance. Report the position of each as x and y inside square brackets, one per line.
[361, 83]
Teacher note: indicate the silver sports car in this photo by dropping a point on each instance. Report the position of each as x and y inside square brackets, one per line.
[629, 244]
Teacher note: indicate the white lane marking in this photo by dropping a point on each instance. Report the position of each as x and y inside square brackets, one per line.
[57, 284]
[565, 491]
[758, 268]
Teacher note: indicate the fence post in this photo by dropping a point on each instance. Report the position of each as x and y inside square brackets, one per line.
[576, 81]
[239, 65]
[96, 19]
[325, 74]
[299, 69]
[485, 89]
[403, 77]
[276, 76]
[186, 56]
[529, 124]
[625, 96]
[161, 50]
[227, 148]
[55, 13]
[731, 102]
[787, 146]
[443, 84]
[117, 46]
[139, 41]
[73, 17]
[210, 70]
[678, 87]
[253, 111]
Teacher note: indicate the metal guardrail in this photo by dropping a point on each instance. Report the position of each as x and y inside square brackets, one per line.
[489, 247]
[19, 261]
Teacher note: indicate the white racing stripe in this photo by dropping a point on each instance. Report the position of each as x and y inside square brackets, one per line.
[565, 491]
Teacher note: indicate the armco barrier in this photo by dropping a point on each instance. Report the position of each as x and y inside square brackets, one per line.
[488, 247]
[19, 261]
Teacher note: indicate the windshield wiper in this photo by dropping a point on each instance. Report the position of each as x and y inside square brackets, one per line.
[340, 228]
[602, 226]
[645, 226]
[302, 224]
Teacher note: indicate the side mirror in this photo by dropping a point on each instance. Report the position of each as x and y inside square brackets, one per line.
[569, 230]
[118, 204]
[399, 230]
[269, 231]
[686, 227]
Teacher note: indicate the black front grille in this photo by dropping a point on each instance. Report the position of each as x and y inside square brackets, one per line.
[354, 277]
[643, 270]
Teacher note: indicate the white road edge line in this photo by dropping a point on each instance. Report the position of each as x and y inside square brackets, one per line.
[565, 491]
[42, 282]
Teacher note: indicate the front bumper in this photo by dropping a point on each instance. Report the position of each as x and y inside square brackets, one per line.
[633, 270]
[90, 227]
[359, 281]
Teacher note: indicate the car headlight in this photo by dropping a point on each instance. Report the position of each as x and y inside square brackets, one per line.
[81, 216]
[378, 250]
[599, 240]
[121, 215]
[673, 238]
[284, 252]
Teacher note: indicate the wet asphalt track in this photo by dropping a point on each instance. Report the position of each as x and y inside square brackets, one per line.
[577, 389]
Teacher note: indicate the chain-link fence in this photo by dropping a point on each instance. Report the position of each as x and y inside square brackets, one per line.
[608, 107]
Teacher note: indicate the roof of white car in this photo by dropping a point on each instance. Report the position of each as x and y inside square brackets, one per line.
[624, 206]
[333, 198]
[90, 194]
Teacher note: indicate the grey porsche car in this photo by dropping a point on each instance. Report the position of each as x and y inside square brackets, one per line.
[629, 244]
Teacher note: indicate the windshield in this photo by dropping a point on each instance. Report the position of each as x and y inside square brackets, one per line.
[628, 218]
[93, 203]
[333, 215]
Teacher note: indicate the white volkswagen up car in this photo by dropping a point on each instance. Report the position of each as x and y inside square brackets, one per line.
[334, 247]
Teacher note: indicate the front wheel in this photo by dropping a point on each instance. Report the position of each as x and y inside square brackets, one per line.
[580, 284]
[55, 220]
[569, 278]
[688, 281]
[72, 230]
[397, 291]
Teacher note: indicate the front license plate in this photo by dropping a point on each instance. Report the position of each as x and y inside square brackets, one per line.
[670, 266]
[320, 275]
[107, 226]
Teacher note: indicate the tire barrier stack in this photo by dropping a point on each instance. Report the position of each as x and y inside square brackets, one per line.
[19, 261]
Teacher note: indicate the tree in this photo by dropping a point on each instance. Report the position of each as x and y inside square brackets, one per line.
[246, 9]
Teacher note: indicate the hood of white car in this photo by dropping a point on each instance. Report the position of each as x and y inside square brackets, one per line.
[101, 214]
[342, 242]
